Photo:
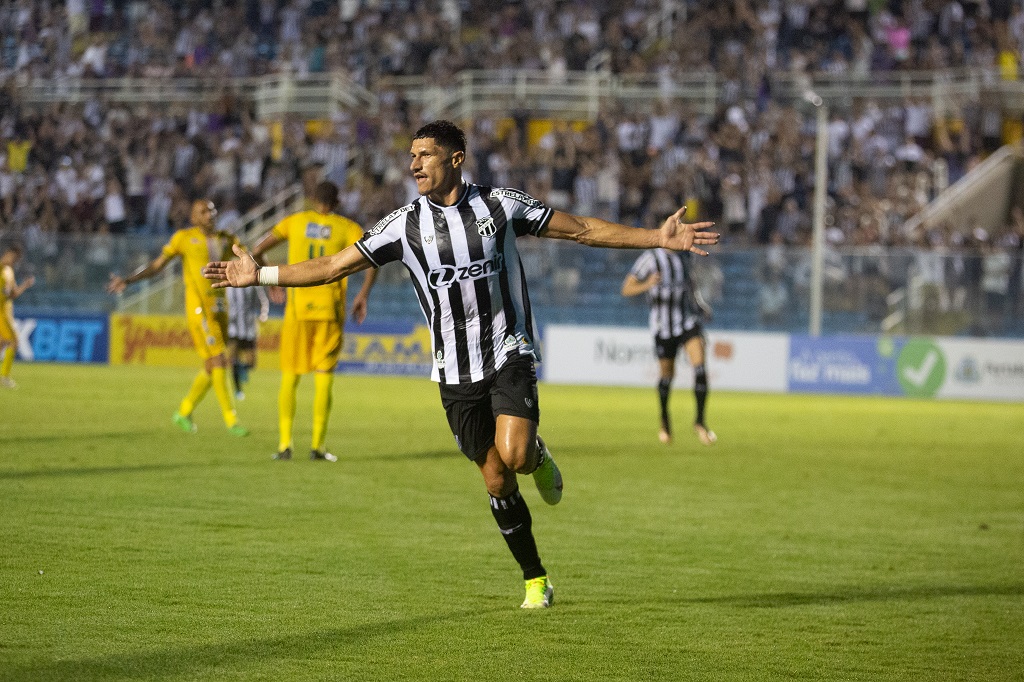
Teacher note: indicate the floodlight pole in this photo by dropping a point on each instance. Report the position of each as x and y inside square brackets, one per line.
[818, 217]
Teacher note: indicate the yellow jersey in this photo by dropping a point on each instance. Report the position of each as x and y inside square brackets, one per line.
[196, 249]
[6, 284]
[311, 235]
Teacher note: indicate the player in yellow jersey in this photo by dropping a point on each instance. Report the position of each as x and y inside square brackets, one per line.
[314, 317]
[9, 290]
[205, 309]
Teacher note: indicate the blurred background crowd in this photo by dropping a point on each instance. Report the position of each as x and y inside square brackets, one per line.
[102, 168]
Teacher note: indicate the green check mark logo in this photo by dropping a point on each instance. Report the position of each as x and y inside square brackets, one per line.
[921, 368]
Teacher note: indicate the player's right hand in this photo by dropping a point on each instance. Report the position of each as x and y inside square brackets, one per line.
[241, 272]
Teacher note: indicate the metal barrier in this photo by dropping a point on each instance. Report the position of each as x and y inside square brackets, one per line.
[865, 290]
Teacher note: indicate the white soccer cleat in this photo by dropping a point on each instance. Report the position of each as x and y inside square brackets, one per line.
[704, 434]
[547, 476]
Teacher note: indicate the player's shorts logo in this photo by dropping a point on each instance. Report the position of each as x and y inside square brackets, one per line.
[486, 227]
[444, 276]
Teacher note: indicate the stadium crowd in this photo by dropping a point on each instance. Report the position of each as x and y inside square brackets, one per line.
[103, 169]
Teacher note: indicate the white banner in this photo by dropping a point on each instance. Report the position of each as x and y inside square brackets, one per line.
[982, 369]
[624, 356]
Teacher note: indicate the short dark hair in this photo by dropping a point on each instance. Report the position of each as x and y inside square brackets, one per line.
[326, 193]
[445, 133]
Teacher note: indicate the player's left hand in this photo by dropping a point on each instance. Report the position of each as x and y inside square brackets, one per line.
[679, 236]
[241, 272]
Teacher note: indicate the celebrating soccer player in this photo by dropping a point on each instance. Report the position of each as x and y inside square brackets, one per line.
[205, 309]
[458, 241]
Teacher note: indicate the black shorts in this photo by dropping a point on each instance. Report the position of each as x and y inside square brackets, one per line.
[243, 344]
[667, 349]
[473, 409]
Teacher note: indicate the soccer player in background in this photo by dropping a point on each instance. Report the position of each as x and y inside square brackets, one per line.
[246, 309]
[9, 291]
[205, 310]
[314, 318]
[458, 241]
[677, 319]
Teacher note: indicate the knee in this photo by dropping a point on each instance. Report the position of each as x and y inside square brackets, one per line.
[519, 455]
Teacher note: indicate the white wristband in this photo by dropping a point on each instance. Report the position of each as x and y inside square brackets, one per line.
[267, 276]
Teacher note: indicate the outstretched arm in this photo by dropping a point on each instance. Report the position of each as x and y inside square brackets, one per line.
[244, 272]
[117, 284]
[674, 234]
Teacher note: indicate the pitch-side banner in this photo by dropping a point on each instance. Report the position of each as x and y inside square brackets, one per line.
[61, 338]
[912, 367]
[624, 356]
[164, 340]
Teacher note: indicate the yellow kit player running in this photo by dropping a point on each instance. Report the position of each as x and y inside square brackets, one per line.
[9, 290]
[314, 317]
[205, 309]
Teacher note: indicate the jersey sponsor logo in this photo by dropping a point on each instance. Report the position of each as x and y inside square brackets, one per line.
[317, 231]
[386, 220]
[518, 196]
[486, 227]
[444, 276]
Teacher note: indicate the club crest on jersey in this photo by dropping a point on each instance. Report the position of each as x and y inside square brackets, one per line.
[428, 238]
[486, 227]
[439, 359]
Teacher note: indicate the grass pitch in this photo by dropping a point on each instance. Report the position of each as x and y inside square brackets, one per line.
[821, 538]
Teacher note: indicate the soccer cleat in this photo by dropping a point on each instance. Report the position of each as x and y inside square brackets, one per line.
[664, 436]
[184, 423]
[704, 434]
[239, 395]
[284, 454]
[238, 430]
[547, 476]
[8, 382]
[325, 456]
[540, 593]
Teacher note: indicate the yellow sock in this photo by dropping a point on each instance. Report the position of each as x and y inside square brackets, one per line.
[5, 366]
[200, 385]
[286, 409]
[321, 408]
[220, 388]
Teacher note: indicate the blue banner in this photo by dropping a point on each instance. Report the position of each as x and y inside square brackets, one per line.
[63, 338]
[844, 364]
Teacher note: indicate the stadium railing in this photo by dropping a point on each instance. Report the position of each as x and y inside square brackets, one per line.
[934, 291]
[574, 95]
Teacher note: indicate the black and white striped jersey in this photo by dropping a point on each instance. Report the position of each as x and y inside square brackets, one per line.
[245, 306]
[674, 305]
[468, 276]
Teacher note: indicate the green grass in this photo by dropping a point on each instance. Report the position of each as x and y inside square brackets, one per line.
[821, 539]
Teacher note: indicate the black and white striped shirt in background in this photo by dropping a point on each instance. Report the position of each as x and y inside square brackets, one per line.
[244, 309]
[674, 306]
[468, 276]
